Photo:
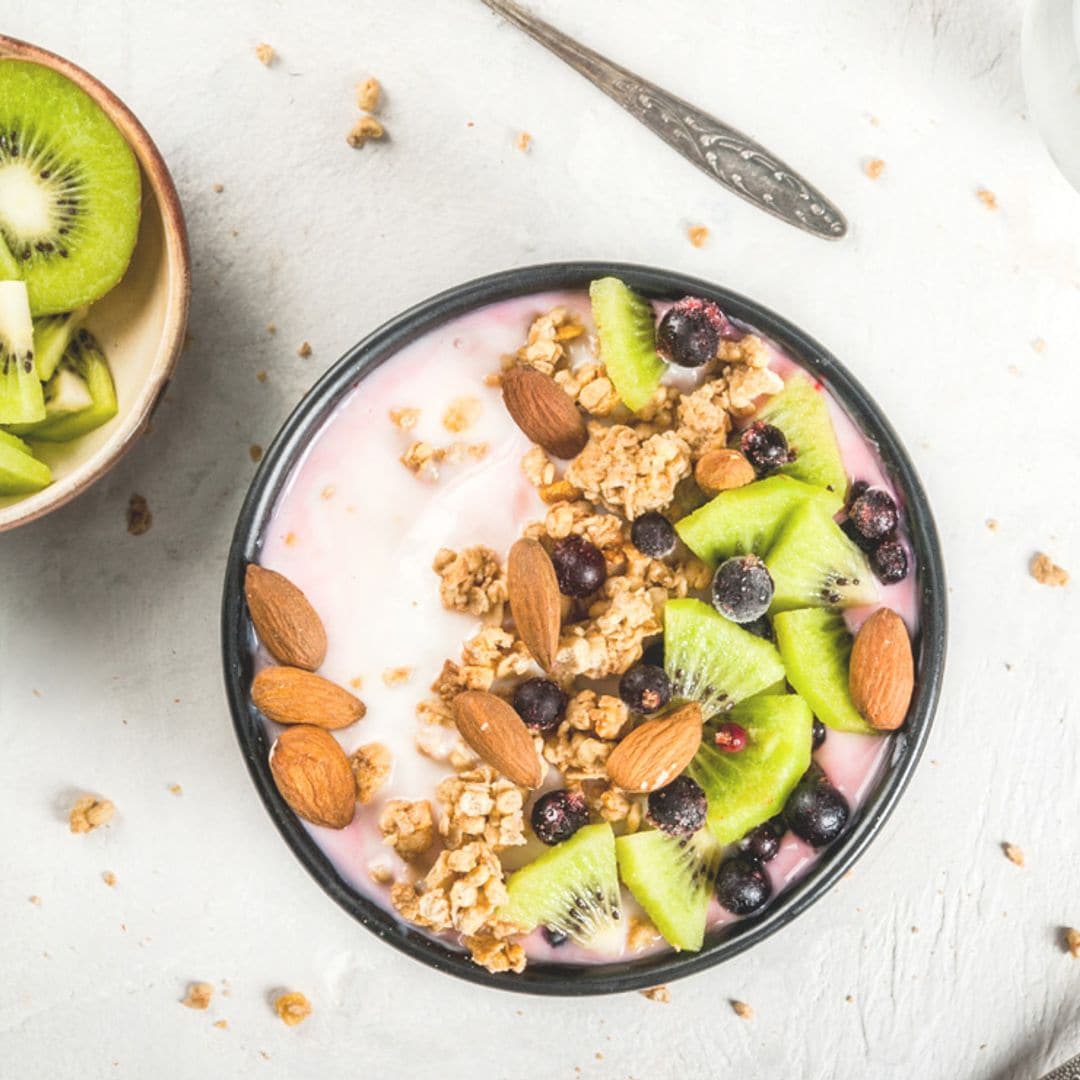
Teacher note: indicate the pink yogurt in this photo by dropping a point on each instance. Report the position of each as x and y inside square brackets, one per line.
[358, 533]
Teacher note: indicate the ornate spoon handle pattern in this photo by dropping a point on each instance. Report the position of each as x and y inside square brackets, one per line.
[736, 161]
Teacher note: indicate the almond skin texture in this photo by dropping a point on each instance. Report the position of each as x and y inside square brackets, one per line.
[535, 602]
[722, 470]
[289, 695]
[492, 728]
[314, 776]
[284, 619]
[882, 673]
[653, 754]
[544, 411]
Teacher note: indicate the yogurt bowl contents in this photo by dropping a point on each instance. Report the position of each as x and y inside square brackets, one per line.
[581, 628]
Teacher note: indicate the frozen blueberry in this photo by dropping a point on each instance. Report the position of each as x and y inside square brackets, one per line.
[815, 811]
[554, 936]
[645, 688]
[820, 731]
[889, 561]
[858, 487]
[678, 809]
[742, 885]
[653, 535]
[742, 588]
[763, 843]
[559, 814]
[873, 514]
[689, 333]
[541, 704]
[847, 526]
[579, 566]
[654, 653]
[765, 447]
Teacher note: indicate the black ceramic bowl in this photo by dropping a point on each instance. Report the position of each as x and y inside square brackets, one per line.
[907, 745]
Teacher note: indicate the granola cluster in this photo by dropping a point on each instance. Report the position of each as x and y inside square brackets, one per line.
[545, 345]
[481, 805]
[473, 580]
[408, 827]
[581, 745]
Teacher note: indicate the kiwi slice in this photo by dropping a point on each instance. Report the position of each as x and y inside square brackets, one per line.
[714, 661]
[21, 399]
[747, 519]
[672, 878]
[52, 335]
[816, 648]
[69, 189]
[20, 472]
[574, 889]
[70, 414]
[751, 786]
[813, 564]
[801, 412]
[626, 328]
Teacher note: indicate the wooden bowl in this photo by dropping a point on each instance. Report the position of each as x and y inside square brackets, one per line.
[141, 323]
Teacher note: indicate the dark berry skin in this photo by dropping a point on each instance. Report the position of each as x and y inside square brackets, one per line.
[873, 514]
[554, 937]
[689, 333]
[889, 562]
[816, 812]
[580, 566]
[761, 628]
[653, 535]
[541, 704]
[765, 447]
[654, 653]
[820, 731]
[645, 688]
[742, 588]
[858, 487]
[847, 526]
[763, 843]
[559, 814]
[742, 885]
[678, 809]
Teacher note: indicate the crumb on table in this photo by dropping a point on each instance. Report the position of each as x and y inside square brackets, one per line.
[1013, 853]
[1072, 942]
[523, 141]
[293, 1008]
[367, 127]
[304, 351]
[658, 993]
[198, 995]
[109, 878]
[874, 168]
[265, 54]
[368, 93]
[1046, 572]
[255, 452]
[139, 517]
[742, 1010]
[987, 198]
[90, 812]
[698, 234]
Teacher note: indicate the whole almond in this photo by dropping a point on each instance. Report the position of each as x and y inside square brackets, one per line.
[544, 411]
[314, 776]
[535, 601]
[289, 695]
[284, 619]
[653, 754]
[881, 677]
[722, 470]
[492, 728]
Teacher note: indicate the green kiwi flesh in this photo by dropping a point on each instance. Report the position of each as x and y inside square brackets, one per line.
[21, 398]
[20, 472]
[626, 329]
[69, 190]
[52, 335]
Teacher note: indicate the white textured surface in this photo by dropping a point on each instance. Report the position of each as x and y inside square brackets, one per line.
[933, 300]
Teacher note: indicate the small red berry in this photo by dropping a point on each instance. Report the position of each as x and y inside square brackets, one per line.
[731, 738]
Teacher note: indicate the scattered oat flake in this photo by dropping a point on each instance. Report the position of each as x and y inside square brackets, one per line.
[1072, 942]
[265, 54]
[1039, 345]
[658, 993]
[35, 900]
[742, 1010]
[849, 999]
[367, 127]
[698, 235]
[176, 789]
[293, 1008]
[987, 198]
[139, 518]
[218, 188]
[271, 328]
[523, 141]
[327, 492]
[255, 452]
[874, 168]
[874, 121]
[357, 682]
[396, 675]
[221, 1024]
[291, 539]
[992, 524]
[461, 414]
[36, 693]
[90, 812]
[404, 418]
[1013, 854]
[305, 349]
[1046, 572]
[368, 93]
[109, 878]
[198, 995]
[261, 376]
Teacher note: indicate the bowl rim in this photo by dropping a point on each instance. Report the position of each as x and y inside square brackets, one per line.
[174, 328]
[289, 446]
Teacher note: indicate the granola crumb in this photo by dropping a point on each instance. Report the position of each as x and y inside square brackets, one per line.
[1039, 345]
[395, 676]
[1013, 853]
[495, 953]
[523, 141]
[265, 54]
[109, 878]
[90, 812]
[408, 827]
[198, 995]
[404, 419]
[271, 328]
[367, 127]
[992, 524]
[742, 1010]
[642, 934]
[304, 351]
[368, 93]
[371, 766]
[176, 789]
[218, 188]
[874, 168]
[255, 452]
[221, 1025]
[1072, 942]
[293, 1008]
[357, 682]
[461, 414]
[987, 198]
[1046, 572]
[291, 539]
[381, 873]
[261, 376]
[139, 517]
[35, 900]
[327, 492]
[698, 234]
[658, 993]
